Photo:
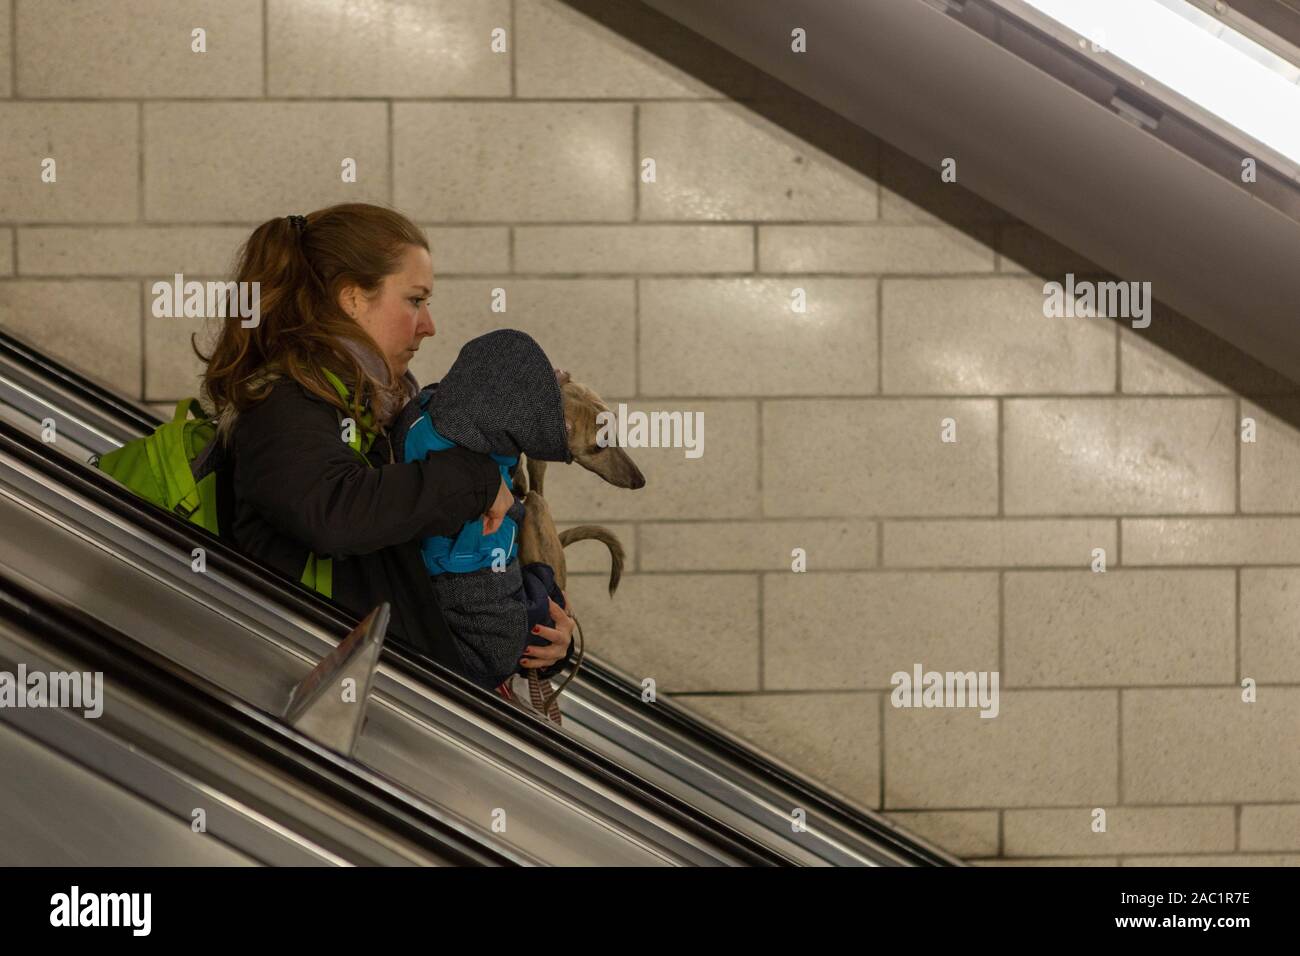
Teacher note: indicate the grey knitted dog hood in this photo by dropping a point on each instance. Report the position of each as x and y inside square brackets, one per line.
[500, 397]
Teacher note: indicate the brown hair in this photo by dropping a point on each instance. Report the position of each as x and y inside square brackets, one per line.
[302, 331]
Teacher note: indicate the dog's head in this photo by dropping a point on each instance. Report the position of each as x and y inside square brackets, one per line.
[581, 406]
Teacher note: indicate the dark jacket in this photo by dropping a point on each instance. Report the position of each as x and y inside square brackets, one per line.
[297, 488]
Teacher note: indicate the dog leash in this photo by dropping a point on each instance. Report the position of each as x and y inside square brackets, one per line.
[548, 704]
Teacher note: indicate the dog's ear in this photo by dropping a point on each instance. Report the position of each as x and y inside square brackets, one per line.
[568, 427]
[561, 376]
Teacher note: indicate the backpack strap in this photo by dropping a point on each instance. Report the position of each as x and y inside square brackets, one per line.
[319, 575]
[213, 456]
[187, 407]
[177, 461]
[364, 429]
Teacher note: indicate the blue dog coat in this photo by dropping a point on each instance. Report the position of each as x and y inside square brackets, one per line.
[470, 549]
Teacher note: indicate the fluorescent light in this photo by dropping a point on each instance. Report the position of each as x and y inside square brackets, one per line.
[1212, 65]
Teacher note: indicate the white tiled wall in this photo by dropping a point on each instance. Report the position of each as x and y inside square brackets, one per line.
[1120, 690]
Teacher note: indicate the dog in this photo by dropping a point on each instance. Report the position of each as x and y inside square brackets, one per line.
[538, 538]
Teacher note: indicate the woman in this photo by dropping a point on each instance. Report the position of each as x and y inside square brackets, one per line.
[308, 403]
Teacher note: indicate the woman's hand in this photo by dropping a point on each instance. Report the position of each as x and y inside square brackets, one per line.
[559, 636]
[497, 513]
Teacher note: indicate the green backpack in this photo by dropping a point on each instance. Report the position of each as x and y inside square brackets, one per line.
[175, 468]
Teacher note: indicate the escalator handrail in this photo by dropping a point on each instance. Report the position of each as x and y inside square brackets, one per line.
[221, 714]
[26, 357]
[811, 796]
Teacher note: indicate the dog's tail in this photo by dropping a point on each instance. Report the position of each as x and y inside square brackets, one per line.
[594, 532]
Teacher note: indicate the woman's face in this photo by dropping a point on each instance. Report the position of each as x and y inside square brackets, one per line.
[397, 315]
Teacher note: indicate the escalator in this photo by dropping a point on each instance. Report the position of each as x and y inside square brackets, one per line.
[165, 769]
[624, 783]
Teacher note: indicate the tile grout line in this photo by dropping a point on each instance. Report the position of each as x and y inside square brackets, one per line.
[1034, 808]
[514, 89]
[1237, 447]
[139, 164]
[1001, 452]
[636, 280]
[392, 157]
[266, 53]
[143, 339]
[762, 662]
[1120, 858]
[636, 339]
[978, 519]
[452, 98]
[1002, 624]
[758, 471]
[1119, 361]
[1237, 622]
[1119, 745]
[880, 735]
[880, 336]
[879, 570]
[141, 217]
[1090, 689]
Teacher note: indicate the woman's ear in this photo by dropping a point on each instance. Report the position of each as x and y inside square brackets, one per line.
[348, 301]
